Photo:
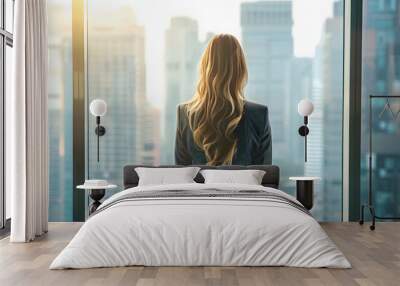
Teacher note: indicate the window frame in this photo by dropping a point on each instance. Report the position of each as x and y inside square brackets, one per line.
[352, 109]
[6, 39]
[79, 109]
[351, 118]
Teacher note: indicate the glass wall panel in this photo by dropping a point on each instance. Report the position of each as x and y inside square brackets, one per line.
[8, 85]
[116, 74]
[60, 109]
[6, 63]
[143, 61]
[381, 76]
[3, 203]
[9, 5]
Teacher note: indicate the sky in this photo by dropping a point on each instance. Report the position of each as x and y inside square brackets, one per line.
[217, 16]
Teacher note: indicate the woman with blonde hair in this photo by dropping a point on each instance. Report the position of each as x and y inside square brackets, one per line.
[218, 126]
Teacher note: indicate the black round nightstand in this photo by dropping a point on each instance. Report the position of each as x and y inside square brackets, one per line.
[96, 194]
[305, 190]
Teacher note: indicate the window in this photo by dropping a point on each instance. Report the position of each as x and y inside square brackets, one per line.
[380, 76]
[60, 99]
[9, 15]
[6, 60]
[141, 61]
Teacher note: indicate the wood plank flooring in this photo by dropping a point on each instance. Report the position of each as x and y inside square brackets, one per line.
[375, 257]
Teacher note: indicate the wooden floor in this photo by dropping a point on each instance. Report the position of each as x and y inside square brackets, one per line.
[375, 257]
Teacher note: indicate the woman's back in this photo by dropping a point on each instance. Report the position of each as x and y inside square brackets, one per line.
[217, 126]
[253, 135]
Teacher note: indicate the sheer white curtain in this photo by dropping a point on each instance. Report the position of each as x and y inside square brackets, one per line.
[26, 117]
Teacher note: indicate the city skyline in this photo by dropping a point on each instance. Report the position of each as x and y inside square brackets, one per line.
[307, 27]
[59, 114]
[326, 136]
[381, 60]
[319, 77]
[140, 132]
[117, 74]
[183, 50]
[267, 39]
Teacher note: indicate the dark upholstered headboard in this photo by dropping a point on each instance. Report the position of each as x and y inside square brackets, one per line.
[270, 179]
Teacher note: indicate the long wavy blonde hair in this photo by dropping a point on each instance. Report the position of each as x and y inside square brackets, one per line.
[217, 106]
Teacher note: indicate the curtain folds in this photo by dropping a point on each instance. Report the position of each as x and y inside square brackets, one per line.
[27, 142]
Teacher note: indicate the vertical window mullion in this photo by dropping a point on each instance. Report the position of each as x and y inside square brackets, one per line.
[2, 125]
[2, 137]
[6, 38]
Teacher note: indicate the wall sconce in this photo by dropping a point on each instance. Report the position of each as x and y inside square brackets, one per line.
[305, 108]
[98, 108]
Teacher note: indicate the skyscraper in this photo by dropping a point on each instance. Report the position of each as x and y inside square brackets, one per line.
[60, 113]
[182, 55]
[116, 69]
[268, 44]
[381, 76]
[325, 140]
[150, 136]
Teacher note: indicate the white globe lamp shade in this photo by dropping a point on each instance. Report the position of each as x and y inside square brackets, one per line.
[305, 107]
[98, 107]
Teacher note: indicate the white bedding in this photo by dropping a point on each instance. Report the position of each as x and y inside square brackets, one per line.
[200, 231]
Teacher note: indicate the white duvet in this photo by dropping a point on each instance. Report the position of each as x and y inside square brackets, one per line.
[199, 231]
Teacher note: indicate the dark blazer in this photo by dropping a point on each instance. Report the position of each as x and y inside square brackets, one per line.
[253, 133]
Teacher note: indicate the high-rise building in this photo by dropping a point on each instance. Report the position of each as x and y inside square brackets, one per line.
[381, 76]
[268, 44]
[325, 139]
[150, 136]
[116, 73]
[60, 113]
[182, 55]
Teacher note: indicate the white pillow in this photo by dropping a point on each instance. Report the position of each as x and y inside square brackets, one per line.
[248, 177]
[165, 176]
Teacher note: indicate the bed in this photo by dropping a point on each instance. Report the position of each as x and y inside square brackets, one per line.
[198, 224]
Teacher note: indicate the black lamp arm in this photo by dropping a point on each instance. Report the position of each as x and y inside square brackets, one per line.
[100, 131]
[303, 131]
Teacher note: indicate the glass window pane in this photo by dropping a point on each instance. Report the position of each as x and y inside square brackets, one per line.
[3, 168]
[144, 61]
[381, 76]
[8, 89]
[60, 98]
[9, 11]
[1, 15]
